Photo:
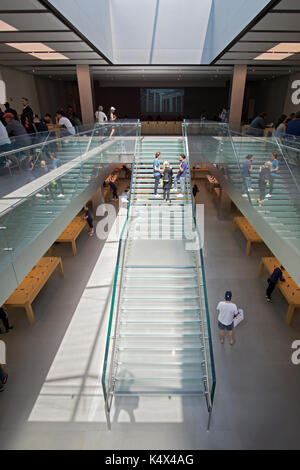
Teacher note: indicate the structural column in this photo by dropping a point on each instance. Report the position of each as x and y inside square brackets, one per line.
[237, 96]
[85, 93]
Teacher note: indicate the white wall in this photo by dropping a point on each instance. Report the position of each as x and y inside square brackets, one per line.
[292, 100]
[19, 84]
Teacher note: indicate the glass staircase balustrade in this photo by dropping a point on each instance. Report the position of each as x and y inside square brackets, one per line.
[158, 341]
[276, 218]
[30, 210]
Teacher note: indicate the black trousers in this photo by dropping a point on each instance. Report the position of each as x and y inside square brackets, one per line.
[270, 289]
[271, 184]
[4, 319]
[262, 189]
[167, 192]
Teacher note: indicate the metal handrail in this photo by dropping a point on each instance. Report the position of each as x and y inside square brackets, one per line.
[118, 269]
[280, 147]
[201, 266]
[28, 147]
[81, 133]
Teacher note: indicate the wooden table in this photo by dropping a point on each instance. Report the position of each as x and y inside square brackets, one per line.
[29, 288]
[70, 234]
[289, 288]
[211, 182]
[248, 231]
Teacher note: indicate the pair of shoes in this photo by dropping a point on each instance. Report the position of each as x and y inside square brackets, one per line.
[61, 195]
[251, 189]
[244, 195]
[157, 196]
[180, 195]
[269, 195]
[39, 195]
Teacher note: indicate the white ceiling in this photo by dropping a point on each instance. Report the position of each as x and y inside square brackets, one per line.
[281, 23]
[35, 23]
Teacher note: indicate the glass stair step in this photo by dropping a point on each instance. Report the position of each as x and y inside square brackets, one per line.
[160, 372]
[160, 388]
[160, 357]
[155, 316]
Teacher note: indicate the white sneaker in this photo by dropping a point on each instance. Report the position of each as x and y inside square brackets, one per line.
[268, 195]
[61, 195]
[39, 195]
[250, 189]
[157, 196]
[245, 195]
[173, 190]
[180, 195]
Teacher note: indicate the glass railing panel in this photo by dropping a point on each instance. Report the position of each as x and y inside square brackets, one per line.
[111, 338]
[212, 131]
[25, 165]
[49, 192]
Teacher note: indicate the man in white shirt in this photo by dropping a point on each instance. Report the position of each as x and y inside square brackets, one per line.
[65, 122]
[100, 115]
[227, 311]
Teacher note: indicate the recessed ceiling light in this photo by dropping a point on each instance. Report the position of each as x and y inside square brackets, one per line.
[272, 56]
[286, 47]
[30, 46]
[49, 55]
[6, 27]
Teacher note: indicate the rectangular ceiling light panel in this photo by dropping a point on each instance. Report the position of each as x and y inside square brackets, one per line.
[49, 56]
[30, 46]
[286, 47]
[272, 56]
[6, 27]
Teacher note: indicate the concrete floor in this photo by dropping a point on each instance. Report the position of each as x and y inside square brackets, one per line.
[53, 399]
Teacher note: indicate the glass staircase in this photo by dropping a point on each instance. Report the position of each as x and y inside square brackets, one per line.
[158, 340]
[276, 219]
[39, 211]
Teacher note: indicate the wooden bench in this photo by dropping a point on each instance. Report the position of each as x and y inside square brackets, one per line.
[71, 233]
[211, 182]
[29, 288]
[248, 231]
[199, 172]
[289, 288]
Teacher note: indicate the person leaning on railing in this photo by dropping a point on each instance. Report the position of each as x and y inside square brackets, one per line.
[257, 126]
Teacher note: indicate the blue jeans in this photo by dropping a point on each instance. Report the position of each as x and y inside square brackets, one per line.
[247, 183]
[182, 183]
[156, 182]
